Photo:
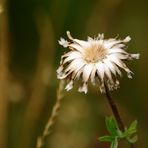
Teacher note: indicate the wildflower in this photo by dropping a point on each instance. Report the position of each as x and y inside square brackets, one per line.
[97, 60]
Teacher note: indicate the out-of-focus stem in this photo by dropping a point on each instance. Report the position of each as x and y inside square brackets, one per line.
[4, 45]
[41, 79]
[52, 119]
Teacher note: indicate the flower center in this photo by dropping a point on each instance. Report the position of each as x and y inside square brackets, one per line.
[94, 53]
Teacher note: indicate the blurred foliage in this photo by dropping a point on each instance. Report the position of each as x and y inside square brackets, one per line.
[33, 56]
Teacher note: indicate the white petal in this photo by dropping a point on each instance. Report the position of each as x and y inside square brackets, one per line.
[63, 42]
[121, 64]
[100, 36]
[60, 72]
[93, 73]
[83, 88]
[72, 56]
[120, 55]
[100, 70]
[110, 44]
[107, 72]
[79, 42]
[78, 71]
[127, 39]
[110, 66]
[75, 65]
[60, 69]
[129, 73]
[90, 39]
[116, 50]
[66, 55]
[82, 43]
[61, 76]
[69, 86]
[78, 74]
[116, 60]
[75, 46]
[102, 87]
[87, 71]
[119, 45]
[117, 69]
[135, 56]
[69, 35]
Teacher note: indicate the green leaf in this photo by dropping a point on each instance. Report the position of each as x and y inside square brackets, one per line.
[114, 143]
[133, 139]
[133, 126]
[131, 130]
[120, 134]
[111, 125]
[116, 134]
[106, 138]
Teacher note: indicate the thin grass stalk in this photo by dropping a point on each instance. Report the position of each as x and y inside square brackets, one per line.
[52, 119]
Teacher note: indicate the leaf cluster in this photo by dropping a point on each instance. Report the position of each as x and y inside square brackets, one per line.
[116, 134]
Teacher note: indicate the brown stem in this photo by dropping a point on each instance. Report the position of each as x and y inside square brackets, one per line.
[116, 113]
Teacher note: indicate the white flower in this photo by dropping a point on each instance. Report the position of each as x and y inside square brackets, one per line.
[98, 60]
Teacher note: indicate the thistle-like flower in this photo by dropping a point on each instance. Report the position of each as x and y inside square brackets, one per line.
[97, 60]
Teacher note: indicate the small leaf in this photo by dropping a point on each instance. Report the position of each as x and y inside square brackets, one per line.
[111, 125]
[133, 126]
[131, 130]
[106, 138]
[114, 143]
[120, 134]
[133, 139]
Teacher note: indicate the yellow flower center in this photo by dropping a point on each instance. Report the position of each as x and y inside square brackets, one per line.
[94, 53]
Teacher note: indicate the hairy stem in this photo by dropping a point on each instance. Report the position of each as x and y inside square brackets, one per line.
[52, 119]
[116, 113]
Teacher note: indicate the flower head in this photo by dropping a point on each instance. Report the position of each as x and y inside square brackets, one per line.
[97, 60]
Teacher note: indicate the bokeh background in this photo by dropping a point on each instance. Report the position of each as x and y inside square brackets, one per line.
[29, 57]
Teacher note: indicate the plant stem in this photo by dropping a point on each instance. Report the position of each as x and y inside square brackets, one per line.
[116, 113]
[52, 119]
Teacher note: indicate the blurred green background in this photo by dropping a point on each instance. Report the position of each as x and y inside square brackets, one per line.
[29, 57]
